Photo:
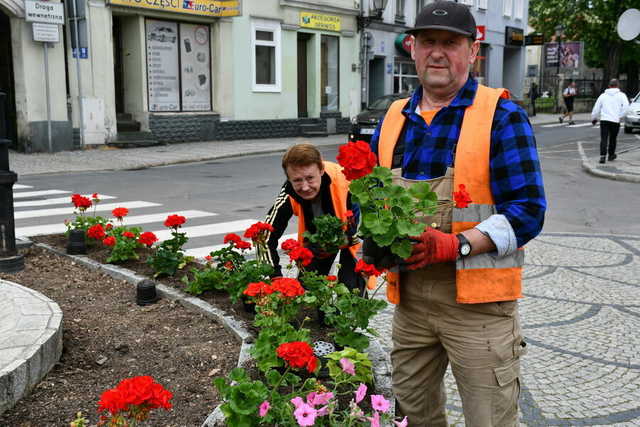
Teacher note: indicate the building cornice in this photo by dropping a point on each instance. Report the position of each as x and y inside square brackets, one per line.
[14, 7]
[310, 5]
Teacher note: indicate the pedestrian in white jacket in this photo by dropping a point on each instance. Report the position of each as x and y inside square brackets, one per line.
[610, 109]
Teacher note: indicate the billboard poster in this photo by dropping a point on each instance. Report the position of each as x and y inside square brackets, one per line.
[195, 54]
[162, 66]
[569, 54]
[210, 8]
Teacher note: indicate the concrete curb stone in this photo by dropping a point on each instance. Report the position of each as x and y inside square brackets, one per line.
[594, 170]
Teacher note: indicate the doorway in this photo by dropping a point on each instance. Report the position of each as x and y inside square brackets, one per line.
[8, 127]
[376, 79]
[118, 69]
[303, 41]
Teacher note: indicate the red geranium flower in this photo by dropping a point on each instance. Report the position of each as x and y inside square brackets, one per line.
[301, 255]
[128, 234]
[288, 287]
[208, 258]
[461, 197]
[243, 245]
[108, 227]
[120, 213]
[109, 241]
[80, 202]
[332, 278]
[141, 391]
[356, 159]
[233, 238]
[228, 265]
[289, 244]
[298, 354]
[255, 231]
[258, 289]
[96, 232]
[174, 221]
[147, 238]
[368, 269]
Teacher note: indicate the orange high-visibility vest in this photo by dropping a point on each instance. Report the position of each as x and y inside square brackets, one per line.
[479, 278]
[338, 189]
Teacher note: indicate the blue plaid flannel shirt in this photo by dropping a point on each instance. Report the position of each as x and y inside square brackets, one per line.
[516, 178]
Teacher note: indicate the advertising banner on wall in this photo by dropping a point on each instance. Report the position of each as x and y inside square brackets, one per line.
[196, 71]
[162, 66]
[569, 54]
[191, 7]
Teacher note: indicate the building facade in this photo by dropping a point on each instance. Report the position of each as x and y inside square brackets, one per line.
[388, 67]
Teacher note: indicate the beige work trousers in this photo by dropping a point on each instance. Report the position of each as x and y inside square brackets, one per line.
[480, 341]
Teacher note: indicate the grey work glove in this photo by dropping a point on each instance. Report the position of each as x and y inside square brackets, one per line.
[381, 258]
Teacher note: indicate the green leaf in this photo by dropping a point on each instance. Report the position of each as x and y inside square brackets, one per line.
[402, 248]
[421, 190]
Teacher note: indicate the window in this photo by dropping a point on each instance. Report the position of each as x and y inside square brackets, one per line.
[405, 77]
[265, 44]
[420, 4]
[400, 11]
[482, 4]
[329, 73]
[507, 8]
[479, 68]
[519, 9]
[467, 2]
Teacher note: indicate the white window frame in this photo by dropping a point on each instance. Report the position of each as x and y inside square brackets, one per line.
[518, 10]
[507, 8]
[482, 4]
[467, 2]
[273, 27]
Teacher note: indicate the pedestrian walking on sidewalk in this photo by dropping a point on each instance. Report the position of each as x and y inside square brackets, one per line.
[610, 108]
[313, 188]
[568, 94]
[456, 303]
[533, 95]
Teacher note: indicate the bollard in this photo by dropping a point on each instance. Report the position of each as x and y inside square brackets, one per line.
[10, 260]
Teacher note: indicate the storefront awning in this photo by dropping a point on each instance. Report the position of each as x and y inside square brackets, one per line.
[403, 44]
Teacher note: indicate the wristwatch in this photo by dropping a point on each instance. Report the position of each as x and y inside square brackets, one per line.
[464, 248]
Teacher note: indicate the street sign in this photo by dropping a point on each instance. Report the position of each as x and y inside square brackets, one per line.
[44, 11]
[48, 33]
[84, 52]
[534, 40]
[481, 32]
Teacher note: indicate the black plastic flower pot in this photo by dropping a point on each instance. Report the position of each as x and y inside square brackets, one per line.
[76, 244]
[249, 306]
[146, 292]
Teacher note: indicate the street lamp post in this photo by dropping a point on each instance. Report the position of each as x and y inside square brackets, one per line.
[559, 33]
[10, 260]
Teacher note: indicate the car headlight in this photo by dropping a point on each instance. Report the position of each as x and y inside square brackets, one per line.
[354, 120]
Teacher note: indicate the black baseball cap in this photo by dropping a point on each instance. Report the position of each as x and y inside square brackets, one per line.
[445, 15]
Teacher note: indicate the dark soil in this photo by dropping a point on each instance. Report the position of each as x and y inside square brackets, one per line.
[107, 338]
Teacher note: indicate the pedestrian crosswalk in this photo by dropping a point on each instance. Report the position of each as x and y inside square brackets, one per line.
[38, 212]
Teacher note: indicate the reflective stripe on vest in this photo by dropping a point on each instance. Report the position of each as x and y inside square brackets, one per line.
[479, 278]
[338, 189]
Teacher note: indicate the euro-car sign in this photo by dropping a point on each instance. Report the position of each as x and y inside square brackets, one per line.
[44, 11]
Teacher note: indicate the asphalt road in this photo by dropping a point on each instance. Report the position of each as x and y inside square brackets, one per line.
[244, 187]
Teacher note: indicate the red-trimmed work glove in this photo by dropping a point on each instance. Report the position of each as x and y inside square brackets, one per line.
[432, 247]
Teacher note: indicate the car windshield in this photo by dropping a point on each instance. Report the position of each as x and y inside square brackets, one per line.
[382, 103]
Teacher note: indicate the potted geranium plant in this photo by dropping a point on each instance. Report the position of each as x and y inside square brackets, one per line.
[389, 211]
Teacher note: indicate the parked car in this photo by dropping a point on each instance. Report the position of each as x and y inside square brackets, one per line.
[632, 116]
[364, 124]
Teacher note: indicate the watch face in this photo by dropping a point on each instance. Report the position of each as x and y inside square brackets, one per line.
[465, 249]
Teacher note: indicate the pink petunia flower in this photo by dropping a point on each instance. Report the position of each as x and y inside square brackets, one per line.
[375, 420]
[379, 403]
[347, 366]
[297, 401]
[403, 423]
[305, 415]
[315, 399]
[361, 392]
[264, 408]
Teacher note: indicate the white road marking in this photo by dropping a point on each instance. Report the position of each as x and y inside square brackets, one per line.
[56, 201]
[20, 186]
[25, 194]
[208, 229]
[206, 250]
[580, 125]
[69, 210]
[59, 227]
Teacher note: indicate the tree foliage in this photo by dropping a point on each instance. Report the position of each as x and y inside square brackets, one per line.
[593, 22]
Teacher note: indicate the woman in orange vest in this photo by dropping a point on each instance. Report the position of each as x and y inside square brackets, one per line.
[313, 188]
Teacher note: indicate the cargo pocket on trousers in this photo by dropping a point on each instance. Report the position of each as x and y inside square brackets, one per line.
[505, 398]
